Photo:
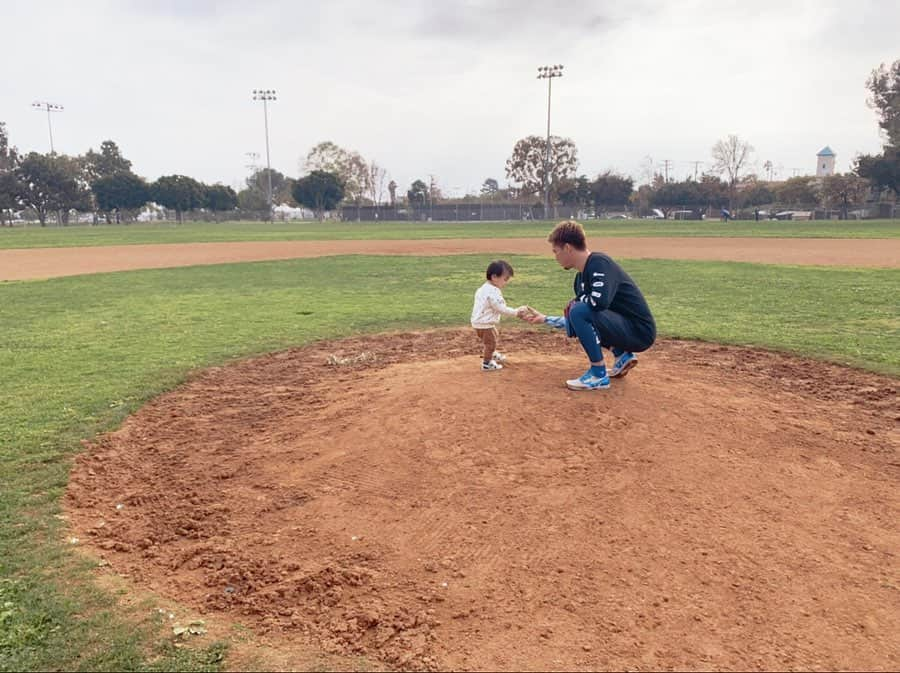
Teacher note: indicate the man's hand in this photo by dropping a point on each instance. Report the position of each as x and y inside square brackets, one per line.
[533, 316]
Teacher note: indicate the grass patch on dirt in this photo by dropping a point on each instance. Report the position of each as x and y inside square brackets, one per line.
[79, 354]
[198, 232]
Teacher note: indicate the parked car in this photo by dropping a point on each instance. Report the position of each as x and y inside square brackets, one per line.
[657, 215]
[685, 215]
[794, 215]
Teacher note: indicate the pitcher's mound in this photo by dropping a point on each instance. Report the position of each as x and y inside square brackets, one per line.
[719, 508]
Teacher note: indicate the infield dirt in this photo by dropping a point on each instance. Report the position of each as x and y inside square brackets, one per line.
[719, 508]
[34, 263]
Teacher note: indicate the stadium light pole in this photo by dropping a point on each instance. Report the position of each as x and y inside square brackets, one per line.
[265, 95]
[548, 72]
[49, 107]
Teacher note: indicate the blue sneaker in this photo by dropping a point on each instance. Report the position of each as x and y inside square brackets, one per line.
[625, 362]
[588, 381]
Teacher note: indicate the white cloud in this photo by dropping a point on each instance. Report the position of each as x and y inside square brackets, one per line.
[447, 90]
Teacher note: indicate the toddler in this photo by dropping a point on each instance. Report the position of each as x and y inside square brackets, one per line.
[489, 306]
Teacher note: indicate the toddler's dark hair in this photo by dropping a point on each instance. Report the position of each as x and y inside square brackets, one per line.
[499, 268]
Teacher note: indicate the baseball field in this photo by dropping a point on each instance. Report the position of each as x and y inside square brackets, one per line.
[270, 446]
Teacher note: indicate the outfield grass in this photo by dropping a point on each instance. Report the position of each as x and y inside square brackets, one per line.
[79, 354]
[193, 232]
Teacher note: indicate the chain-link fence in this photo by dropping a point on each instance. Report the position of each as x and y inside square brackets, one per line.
[456, 212]
[474, 212]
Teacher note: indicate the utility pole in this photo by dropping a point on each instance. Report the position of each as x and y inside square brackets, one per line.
[265, 95]
[253, 166]
[548, 72]
[696, 166]
[666, 163]
[49, 107]
[431, 184]
[647, 171]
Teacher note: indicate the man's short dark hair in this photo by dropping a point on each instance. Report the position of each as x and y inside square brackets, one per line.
[499, 268]
[569, 232]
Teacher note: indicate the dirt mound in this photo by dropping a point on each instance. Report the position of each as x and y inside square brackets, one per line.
[719, 508]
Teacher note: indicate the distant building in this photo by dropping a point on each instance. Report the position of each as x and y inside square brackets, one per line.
[825, 162]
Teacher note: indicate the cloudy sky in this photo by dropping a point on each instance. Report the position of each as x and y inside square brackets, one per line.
[444, 89]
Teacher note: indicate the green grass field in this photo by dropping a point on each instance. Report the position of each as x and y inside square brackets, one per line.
[192, 232]
[79, 354]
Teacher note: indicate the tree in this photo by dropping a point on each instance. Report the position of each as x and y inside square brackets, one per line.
[610, 190]
[258, 184]
[356, 182]
[320, 191]
[798, 192]
[219, 198]
[730, 158]
[757, 194]
[490, 188]
[714, 193]
[843, 191]
[10, 195]
[326, 156]
[120, 192]
[10, 187]
[526, 165]
[576, 192]
[669, 195]
[179, 193]
[9, 156]
[641, 198]
[350, 167]
[434, 190]
[392, 190]
[377, 176]
[52, 183]
[881, 170]
[884, 86]
[417, 194]
[108, 161]
[252, 200]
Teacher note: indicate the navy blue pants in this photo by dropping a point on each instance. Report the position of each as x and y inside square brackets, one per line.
[607, 328]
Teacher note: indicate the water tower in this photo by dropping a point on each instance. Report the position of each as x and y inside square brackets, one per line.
[825, 162]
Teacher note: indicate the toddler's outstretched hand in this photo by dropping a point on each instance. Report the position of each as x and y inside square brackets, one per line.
[533, 316]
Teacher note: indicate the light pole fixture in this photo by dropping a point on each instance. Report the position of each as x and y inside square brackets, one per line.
[49, 107]
[265, 95]
[548, 72]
